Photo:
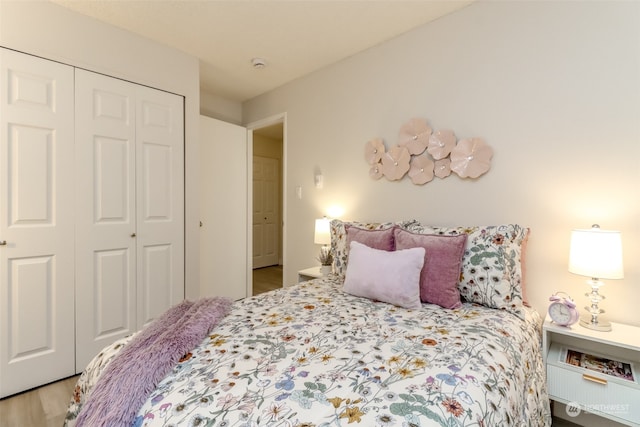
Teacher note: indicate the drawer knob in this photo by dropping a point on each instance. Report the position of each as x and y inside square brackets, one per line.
[594, 379]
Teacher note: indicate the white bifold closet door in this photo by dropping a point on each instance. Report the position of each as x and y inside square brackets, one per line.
[130, 208]
[36, 222]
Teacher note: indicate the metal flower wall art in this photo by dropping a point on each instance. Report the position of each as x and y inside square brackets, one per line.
[425, 154]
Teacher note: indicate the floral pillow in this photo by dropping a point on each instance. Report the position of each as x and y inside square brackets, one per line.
[491, 264]
[339, 241]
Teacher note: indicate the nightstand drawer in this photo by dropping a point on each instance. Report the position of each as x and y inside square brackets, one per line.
[618, 401]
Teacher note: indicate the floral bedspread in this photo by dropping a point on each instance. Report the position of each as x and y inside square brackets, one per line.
[312, 355]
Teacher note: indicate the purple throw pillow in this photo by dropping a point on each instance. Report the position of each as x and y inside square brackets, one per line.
[376, 239]
[442, 262]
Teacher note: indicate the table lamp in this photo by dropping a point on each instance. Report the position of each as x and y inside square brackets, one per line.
[597, 254]
[322, 237]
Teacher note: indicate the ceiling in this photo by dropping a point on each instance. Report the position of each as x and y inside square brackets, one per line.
[294, 37]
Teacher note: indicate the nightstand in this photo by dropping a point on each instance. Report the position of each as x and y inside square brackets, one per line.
[309, 273]
[583, 389]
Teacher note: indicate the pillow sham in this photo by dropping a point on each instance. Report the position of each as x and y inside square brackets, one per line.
[523, 269]
[376, 239]
[441, 271]
[340, 246]
[392, 277]
[491, 272]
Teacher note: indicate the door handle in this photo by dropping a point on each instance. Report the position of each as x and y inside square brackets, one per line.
[3, 243]
[133, 234]
[594, 379]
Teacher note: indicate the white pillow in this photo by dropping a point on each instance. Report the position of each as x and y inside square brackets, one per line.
[392, 277]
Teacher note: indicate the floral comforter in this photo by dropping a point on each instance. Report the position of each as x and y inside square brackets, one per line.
[312, 355]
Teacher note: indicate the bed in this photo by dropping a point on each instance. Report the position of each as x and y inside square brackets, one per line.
[318, 354]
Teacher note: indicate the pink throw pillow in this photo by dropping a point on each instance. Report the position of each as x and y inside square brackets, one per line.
[523, 268]
[392, 277]
[442, 262]
[376, 239]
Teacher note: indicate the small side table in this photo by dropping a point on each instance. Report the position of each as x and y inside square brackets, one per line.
[608, 396]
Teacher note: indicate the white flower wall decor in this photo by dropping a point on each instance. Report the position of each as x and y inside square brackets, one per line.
[423, 154]
[415, 136]
[395, 162]
[373, 152]
[421, 170]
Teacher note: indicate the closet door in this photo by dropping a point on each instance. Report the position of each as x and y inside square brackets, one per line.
[130, 196]
[160, 202]
[105, 219]
[36, 222]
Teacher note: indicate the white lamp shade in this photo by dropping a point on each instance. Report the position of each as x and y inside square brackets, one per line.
[323, 232]
[596, 253]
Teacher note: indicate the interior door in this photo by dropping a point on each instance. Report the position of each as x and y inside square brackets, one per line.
[159, 202]
[36, 222]
[223, 209]
[105, 220]
[265, 211]
[130, 208]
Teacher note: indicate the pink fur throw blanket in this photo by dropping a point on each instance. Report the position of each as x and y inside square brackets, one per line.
[135, 372]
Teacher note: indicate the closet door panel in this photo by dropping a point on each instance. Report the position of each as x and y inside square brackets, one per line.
[112, 186]
[112, 287]
[36, 222]
[160, 202]
[156, 289]
[106, 220]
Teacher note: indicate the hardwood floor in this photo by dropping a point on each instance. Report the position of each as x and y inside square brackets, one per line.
[266, 279]
[41, 407]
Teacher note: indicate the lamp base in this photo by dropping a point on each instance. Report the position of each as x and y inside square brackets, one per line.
[600, 325]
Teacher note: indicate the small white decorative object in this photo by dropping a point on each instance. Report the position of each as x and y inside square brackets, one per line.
[471, 158]
[414, 135]
[421, 169]
[325, 270]
[376, 171]
[441, 143]
[373, 151]
[442, 168]
[395, 163]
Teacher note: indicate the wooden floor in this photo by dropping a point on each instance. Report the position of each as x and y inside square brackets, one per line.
[41, 407]
[266, 279]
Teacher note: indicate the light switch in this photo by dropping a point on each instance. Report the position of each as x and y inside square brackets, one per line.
[299, 192]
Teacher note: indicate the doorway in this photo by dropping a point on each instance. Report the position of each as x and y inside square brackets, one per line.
[267, 200]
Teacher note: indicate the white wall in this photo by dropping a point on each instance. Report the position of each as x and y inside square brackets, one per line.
[53, 32]
[553, 87]
[220, 108]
